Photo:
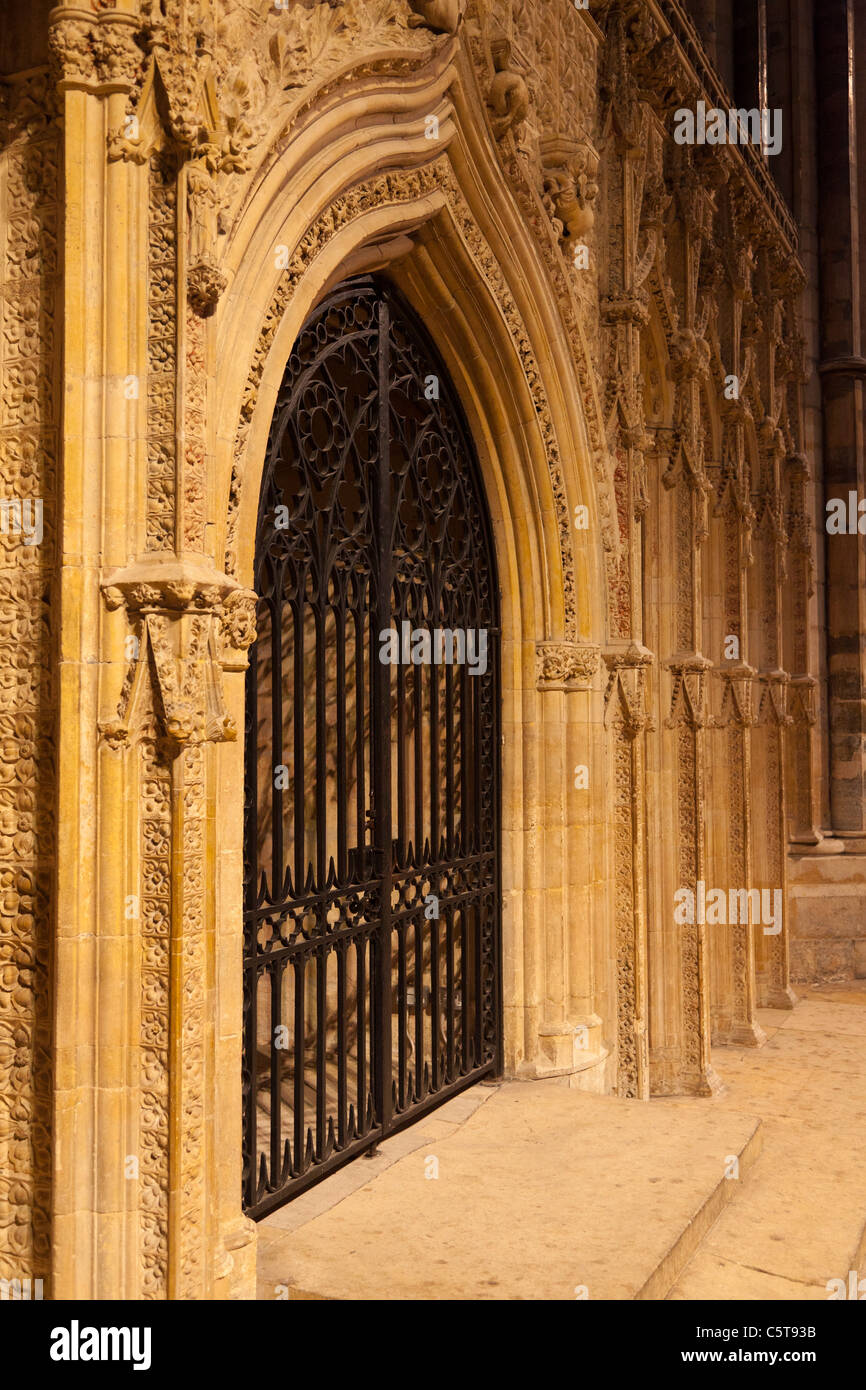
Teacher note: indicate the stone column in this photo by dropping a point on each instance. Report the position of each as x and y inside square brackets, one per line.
[570, 1031]
[843, 370]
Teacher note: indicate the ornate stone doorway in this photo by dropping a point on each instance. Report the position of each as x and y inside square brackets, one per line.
[372, 839]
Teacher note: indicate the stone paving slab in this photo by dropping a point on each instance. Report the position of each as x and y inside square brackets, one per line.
[799, 1220]
[541, 1191]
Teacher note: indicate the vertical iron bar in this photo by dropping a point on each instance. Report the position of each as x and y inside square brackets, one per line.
[465, 762]
[449, 992]
[275, 1057]
[359, 620]
[417, 686]
[251, 1155]
[299, 770]
[342, 1118]
[382, 731]
[478, 906]
[276, 608]
[465, 987]
[361, 1015]
[401, 761]
[402, 1013]
[434, 758]
[321, 740]
[449, 759]
[420, 1085]
[434, 1002]
[321, 1039]
[300, 1059]
[342, 808]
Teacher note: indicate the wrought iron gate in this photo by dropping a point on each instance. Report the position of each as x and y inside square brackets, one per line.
[371, 839]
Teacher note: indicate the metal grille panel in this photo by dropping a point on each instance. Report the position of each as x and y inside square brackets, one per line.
[372, 786]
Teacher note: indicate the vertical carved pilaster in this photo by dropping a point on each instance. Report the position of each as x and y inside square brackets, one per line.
[627, 720]
[688, 720]
[30, 403]
[732, 734]
[189, 623]
[154, 1024]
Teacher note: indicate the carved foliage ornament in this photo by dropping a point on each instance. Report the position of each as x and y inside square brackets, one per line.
[96, 50]
[566, 665]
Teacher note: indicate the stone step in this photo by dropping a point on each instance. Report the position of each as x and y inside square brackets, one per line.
[542, 1192]
[798, 1220]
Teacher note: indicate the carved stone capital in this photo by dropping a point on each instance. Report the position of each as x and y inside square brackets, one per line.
[625, 698]
[132, 150]
[189, 623]
[97, 51]
[566, 665]
[629, 655]
[802, 692]
[689, 693]
[772, 698]
[625, 308]
[736, 704]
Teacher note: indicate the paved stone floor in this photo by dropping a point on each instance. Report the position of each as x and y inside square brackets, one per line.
[547, 1193]
[798, 1219]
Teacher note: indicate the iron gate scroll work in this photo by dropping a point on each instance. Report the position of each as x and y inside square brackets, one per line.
[371, 844]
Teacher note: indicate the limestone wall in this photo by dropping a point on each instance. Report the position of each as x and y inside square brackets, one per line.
[178, 190]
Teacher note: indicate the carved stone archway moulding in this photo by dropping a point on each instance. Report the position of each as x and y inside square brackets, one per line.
[379, 193]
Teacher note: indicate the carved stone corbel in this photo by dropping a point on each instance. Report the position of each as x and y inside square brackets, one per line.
[192, 623]
[205, 283]
[237, 628]
[570, 186]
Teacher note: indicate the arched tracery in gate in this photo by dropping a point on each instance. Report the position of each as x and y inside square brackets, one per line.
[372, 865]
